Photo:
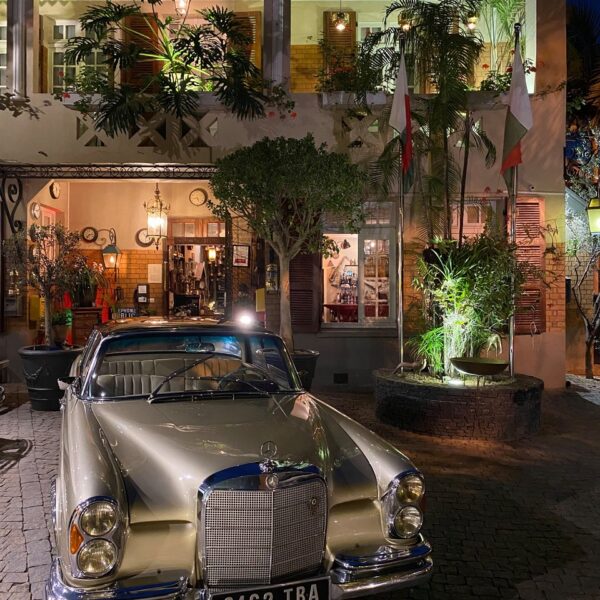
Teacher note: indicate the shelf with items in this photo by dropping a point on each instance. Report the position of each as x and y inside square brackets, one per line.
[348, 285]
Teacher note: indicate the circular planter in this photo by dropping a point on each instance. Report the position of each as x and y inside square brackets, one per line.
[495, 411]
[306, 363]
[42, 366]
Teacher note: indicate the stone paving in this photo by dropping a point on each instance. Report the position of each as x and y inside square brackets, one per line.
[518, 520]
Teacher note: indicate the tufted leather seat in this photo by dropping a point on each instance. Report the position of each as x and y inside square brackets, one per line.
[133, 377]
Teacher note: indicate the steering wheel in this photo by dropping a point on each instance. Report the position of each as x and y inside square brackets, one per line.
[252, 378]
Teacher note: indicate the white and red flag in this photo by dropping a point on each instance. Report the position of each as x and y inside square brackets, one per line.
[400, 114]
[519, 118]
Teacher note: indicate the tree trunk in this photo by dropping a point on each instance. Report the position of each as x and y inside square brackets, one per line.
[285, 313]
[589, 357]
[463, 183]
[48, 321]
[447, 204]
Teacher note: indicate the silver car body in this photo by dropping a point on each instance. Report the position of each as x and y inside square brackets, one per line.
[166, 464]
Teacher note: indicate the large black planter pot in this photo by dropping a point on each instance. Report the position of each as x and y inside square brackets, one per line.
[42, 366]
[306, 363]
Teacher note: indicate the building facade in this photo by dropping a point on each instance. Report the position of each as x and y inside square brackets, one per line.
[345, 306]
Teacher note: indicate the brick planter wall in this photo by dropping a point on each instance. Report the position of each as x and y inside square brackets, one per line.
[492, 412]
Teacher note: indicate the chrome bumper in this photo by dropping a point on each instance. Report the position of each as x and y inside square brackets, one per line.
[57, 589]
[384, 570]
[351, 576]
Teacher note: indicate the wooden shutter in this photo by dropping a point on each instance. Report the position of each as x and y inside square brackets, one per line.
[142, 31]
[251, 25]
[530, 316]
[305, 293]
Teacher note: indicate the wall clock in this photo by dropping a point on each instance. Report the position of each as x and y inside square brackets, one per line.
[198, 197]
[89, 234]
[35, 210]
[55, 190]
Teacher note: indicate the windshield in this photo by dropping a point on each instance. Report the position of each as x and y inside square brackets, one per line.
[162, 363]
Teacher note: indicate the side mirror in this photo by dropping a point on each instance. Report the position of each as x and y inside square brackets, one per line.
[64, 383]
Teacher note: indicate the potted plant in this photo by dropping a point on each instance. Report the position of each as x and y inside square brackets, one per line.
[282, 188]
[85, 281]
[350, 78]
[45, 255]
[60, 326]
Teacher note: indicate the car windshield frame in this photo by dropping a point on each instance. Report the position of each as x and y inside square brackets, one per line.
[243, 338]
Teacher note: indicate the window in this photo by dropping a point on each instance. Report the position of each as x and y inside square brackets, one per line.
[3, 56]
[62, 73]
[358, 279]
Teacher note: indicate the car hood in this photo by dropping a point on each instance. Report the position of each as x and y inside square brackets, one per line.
[166, 450]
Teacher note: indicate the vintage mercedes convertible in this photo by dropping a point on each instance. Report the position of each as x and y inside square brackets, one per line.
[193, 466]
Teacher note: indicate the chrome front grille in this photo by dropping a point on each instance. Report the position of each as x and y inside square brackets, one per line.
[252, 537]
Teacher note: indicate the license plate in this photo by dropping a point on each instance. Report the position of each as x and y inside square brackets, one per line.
[311, 589]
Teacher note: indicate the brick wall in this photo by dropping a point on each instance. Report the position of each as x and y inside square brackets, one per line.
[305, 62]
[555, 294]
[133, 269]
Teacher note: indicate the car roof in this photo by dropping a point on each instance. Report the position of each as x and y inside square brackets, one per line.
[174, 324]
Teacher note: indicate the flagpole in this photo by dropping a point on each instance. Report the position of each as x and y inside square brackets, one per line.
[513, 192]
[400, 311]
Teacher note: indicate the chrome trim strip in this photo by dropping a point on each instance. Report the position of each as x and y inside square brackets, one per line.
[387, 557]
[57, 589]
[254, 470]
[384, 583]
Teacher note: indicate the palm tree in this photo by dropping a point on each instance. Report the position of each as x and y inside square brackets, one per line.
[185, 59]
[445, 53]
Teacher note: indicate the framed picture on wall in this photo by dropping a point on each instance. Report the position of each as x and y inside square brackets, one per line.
[241, 256]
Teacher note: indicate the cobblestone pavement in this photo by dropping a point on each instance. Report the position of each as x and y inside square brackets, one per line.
[517, 520]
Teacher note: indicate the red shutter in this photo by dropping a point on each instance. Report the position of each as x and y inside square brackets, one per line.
[305, 293]
[530, 316]
[141, 30]
[251, 25]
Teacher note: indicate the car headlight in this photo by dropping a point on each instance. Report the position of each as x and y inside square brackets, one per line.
[98, 518]
[97, 557]
[410, 489]
[408, 522]
[402, 505]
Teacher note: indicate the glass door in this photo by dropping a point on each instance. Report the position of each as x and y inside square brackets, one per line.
[377, 277]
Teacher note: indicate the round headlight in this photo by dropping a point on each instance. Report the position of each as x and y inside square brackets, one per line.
[410, 489]
[98, 518]
[97, 557]
[408, 522]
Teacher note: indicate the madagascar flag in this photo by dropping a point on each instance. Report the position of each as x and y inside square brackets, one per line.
[518, 119]
[400, 115]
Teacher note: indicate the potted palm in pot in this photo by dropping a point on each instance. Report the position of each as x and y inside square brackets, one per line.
[282, 188]
[44, 257]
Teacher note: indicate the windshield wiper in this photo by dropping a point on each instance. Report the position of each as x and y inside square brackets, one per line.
[185, 368]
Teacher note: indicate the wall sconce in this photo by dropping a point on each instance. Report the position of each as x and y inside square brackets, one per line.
[182, 7]
[472, 22]
[111, 256]
[110, 253]
[157, 212]
[212, 254]
[593, 212]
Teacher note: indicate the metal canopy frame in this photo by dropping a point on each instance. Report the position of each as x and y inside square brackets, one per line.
[106, 171]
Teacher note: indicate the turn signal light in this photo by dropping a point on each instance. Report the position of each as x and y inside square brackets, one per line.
[75, 539]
